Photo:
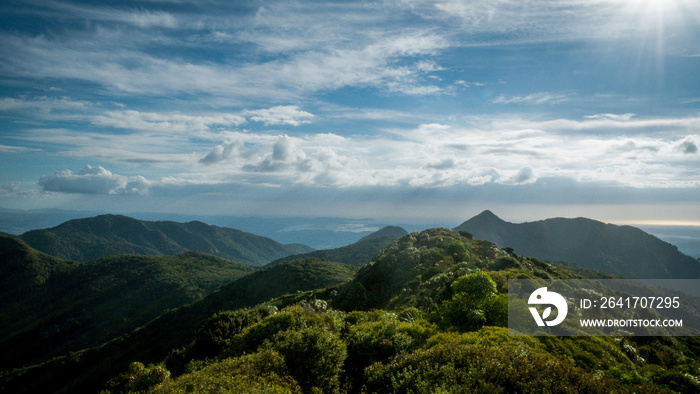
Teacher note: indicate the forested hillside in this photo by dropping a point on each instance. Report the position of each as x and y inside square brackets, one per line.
[87, 370]
[620, 250]
[50, 306]
[426, 315]
[107, 235]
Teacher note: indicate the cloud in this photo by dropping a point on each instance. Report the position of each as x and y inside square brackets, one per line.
[142, 18]
[19, 190]
[122, 60]
[89, 180]
[280, 115]
[17, 149]
[167, 122]
[689, 145]
[535, 98]
[615, 117]
[286, 155]
[220, 153]
[443, 164]
[524, 176]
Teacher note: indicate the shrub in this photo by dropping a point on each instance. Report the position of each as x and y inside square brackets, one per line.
[138, 379]
[314, 357]
[261, 372]
[506, 262]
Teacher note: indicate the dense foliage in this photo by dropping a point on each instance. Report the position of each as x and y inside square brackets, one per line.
[51, 306]
[426, 316]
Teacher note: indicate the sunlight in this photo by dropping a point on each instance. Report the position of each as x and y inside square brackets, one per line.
[649, 23]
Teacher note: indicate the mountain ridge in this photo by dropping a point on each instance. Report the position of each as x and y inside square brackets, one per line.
[356, 254]
[621, 250]
[105, 235]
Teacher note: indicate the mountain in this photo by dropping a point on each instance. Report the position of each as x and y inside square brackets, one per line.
[621, 250]
[105, 235]
[358, 253]
[87, 370]
[49, 306]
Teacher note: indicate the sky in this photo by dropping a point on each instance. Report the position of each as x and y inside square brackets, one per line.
[404, 111]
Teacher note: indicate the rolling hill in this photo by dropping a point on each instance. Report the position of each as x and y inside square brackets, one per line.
[621, 250]
[356, 254]
[49, 306]
[106, 235]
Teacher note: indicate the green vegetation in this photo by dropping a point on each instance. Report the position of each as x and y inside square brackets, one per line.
[51, 306]
[426, 315]
[89, 369]
[107, 235]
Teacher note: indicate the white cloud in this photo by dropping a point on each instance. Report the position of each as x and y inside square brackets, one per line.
[280, 115]
[17, 149]
[535, 98]
[221, 153]
[89, 180]
[615, 117]
[138, 17]
[165, 122]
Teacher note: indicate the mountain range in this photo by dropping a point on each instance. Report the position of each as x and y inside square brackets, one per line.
[621, 250]
[429, 311]
[157, 308]
[106, 235]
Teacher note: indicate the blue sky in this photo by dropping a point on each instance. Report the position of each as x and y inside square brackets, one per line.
[397, 110]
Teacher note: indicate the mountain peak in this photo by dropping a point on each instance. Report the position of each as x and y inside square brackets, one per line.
[487, 214]
[484, 218]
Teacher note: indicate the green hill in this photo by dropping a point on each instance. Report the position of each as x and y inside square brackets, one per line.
[86, 371]
[50, 306]
[106, 235]
[621, 250]
[356, 254]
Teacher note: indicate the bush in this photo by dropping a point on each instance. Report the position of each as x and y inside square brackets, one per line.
[506, 262]
[382, 338]
[314, 357]
[138, 379]
[218, 332]
[261, 372]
